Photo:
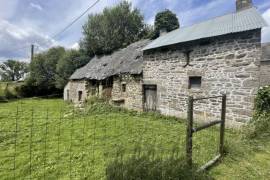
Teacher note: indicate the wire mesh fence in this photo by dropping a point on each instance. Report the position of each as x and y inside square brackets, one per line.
[49, 139]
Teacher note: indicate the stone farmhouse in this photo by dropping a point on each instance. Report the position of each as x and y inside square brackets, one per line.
[218, 56]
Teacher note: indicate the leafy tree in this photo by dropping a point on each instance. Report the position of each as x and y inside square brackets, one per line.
[165, 20]
[43, 70]
[114, 28]
[12, 70]
[71, 61]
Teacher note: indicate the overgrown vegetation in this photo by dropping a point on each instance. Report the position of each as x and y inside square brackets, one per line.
[146, 167]
[259, 127]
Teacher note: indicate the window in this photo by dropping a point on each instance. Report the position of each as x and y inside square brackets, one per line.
[67, 94]
[124, 87]
[80, 96]
[187, 54]
[195, 82]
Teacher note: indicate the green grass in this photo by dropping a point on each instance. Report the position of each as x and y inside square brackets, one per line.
[100, 142]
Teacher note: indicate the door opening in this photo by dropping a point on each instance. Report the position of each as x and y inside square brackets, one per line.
[150, 97]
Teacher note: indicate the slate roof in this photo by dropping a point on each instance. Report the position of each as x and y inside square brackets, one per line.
[266, 52]
[127, 60]
[245, 20]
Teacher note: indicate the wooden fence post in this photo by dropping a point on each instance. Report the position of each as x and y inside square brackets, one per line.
[189, 131]
[222, 125]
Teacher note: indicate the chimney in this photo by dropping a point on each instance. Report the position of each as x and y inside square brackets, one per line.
[243, 4]
[162, 32]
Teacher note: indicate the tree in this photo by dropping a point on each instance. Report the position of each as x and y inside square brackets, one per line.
[12, 70]
[71, 61]
[165, 20]
[43, 70]
[114, 28]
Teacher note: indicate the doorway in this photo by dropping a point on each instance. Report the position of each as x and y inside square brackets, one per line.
[150, 97]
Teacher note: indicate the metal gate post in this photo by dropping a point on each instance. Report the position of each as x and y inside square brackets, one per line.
[222, 125]
[189, 131]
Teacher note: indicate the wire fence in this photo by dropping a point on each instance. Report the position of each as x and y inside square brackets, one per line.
[48, 139]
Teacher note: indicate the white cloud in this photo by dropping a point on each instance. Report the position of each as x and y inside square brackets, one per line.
[75, 46]
[266, 30]
[36, 6]
[15, 40]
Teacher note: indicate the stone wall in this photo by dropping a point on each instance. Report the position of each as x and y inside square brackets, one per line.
[71, 91]
[132, 98]
[265, 73]
[227, 64]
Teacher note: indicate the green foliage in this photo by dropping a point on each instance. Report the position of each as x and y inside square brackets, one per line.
[145, 167]
[12, 70]
[262, 101]
[50, 70]
[71, 61]
[165, 20]
[259, 127]
[9, 90]
[43, 69]
[114, 28]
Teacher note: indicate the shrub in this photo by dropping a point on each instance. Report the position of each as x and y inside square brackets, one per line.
[259, 126]
[262, 101]
[8, 90]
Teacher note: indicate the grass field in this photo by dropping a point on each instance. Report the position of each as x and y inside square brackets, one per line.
[49, 139]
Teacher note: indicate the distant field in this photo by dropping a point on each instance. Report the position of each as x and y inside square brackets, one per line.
[49, 139]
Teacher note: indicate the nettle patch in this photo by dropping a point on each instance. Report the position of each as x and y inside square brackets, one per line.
[262, 101]
[260, 124]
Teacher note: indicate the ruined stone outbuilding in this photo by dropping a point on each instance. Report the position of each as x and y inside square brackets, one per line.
[116, 77]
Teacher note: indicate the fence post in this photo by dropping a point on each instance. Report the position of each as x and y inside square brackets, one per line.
[222, 125]
[189, 131]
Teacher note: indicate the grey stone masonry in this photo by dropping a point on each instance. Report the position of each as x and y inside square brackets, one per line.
[71, 91]
[131, 97]
[265, 73]
[226, 64]
[265, 65]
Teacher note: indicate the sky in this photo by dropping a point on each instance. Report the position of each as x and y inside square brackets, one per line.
[26, 22]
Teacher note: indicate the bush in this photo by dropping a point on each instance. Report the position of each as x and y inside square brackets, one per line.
[262, 101]
[8, 90]
[30, 90]
[259, 126]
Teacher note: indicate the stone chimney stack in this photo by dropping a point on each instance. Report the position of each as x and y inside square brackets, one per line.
[243, 4]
